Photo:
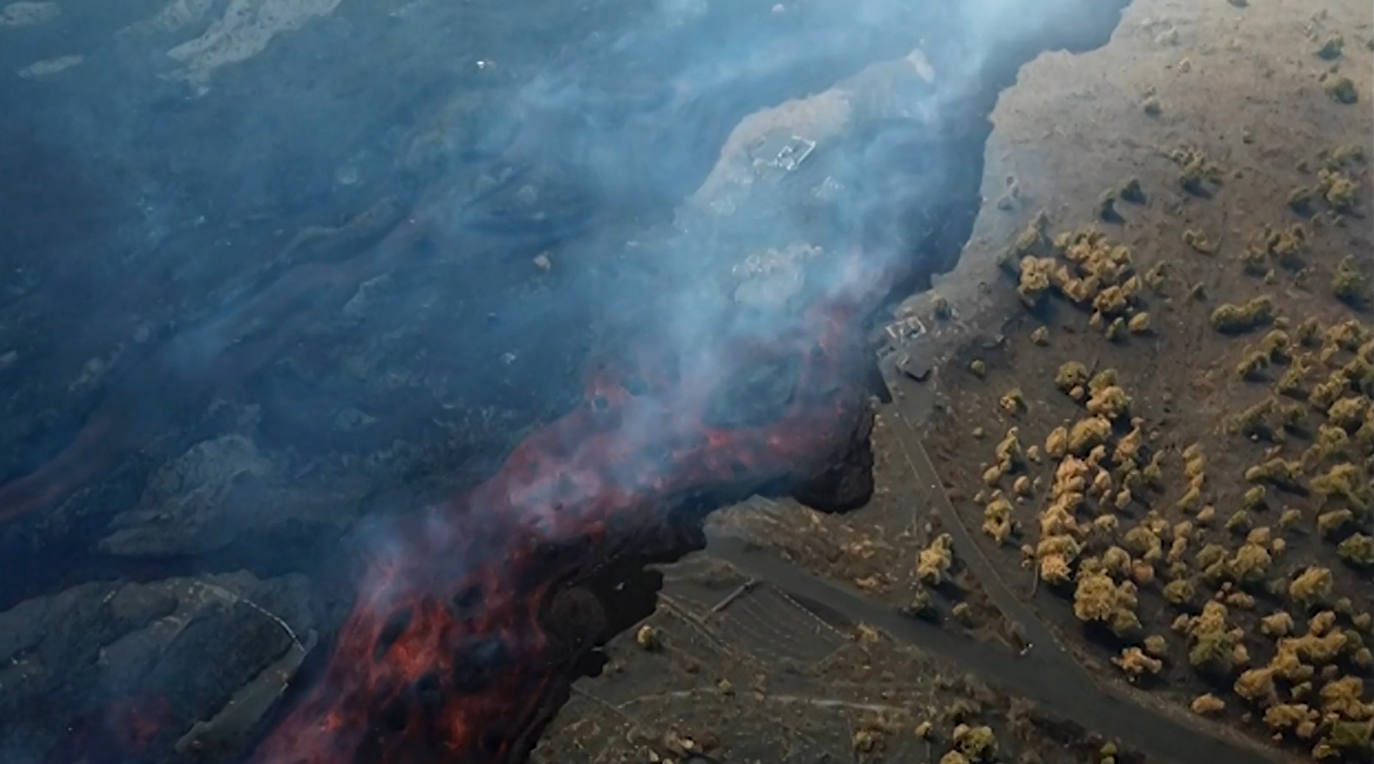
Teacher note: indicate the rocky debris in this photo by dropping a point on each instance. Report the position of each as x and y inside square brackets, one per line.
[364, 299]
[244, 31]
[846, 482]
[25, 14]
[193, 504]
[50, 66]
[772, 278]
[116, 668]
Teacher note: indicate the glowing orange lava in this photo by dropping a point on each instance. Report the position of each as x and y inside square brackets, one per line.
[444, 657]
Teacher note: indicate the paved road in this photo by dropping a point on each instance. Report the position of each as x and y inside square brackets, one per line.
[1048, 673]
[1072, 696]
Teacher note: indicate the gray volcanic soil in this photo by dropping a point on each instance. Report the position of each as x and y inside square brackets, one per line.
[1243, 84]
[281, 268]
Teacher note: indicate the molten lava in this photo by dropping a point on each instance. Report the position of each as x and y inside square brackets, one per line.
[444, 657]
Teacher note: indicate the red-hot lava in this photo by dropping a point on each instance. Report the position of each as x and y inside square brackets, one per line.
[444, 657]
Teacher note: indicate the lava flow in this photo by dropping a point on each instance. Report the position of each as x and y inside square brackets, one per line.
[444, 657]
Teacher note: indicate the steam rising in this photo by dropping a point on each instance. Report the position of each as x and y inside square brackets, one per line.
[714, 188]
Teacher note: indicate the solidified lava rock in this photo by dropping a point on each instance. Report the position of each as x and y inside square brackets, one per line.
[755, 394]
[119, 670]
[195, 503]
[577, 618]
[847, 481]
[65, 654]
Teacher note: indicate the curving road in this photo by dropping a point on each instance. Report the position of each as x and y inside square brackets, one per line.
[1062, 691]
[1047, 674]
